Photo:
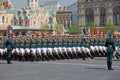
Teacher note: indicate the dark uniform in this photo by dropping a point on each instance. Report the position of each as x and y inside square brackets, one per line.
[110, 49]
[9, 47]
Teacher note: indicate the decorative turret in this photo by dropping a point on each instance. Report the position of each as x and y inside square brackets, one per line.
[33, 3]
[7, 4]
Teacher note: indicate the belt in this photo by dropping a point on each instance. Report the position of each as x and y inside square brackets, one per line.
[110, 46]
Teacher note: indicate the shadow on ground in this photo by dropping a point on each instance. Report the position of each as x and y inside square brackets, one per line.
[96, 68]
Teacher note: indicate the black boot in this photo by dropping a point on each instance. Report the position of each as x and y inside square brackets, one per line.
[110, 63]
[8, 61]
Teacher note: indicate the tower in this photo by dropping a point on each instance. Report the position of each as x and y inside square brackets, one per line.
[33, 3]
[7, 4]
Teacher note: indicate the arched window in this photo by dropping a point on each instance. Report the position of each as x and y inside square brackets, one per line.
[89, 15]
[26, 22]
[103, 16]
[20, 22]
[116, 15]
[3, 19]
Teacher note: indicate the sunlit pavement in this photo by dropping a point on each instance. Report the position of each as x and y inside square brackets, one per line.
[76, 69]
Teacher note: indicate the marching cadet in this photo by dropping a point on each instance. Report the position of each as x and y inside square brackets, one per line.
[9, 47]
[22, 42]
[64, 52]
[69, 42]
[63, 41]
[73, 41]
[55, 42]
[83, 41]
[33, 43]
[48, 42]
[14, 42]
[25, 43]
[61, 52]
[87, 43]
[36, 42]
[17, 42]
[77, 41]
[21, 54]
[110, 49]
[40, 42]
[38, 54]
[49, 53]
[60, 42]
[43, 42]
[30, 43]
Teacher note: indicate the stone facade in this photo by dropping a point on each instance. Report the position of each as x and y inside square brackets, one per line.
[74, 8]
[64, 17]
[101, 12]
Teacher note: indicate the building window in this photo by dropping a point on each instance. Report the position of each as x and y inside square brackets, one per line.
[20, 22]
[34, 22]
[116, 15]
[103, 16]
[89, 15]
[3, 19]
[26, 23]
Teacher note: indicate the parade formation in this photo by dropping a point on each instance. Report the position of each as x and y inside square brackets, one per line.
[36, 48]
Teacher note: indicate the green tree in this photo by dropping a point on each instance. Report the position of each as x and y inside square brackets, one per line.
[90, 26]
[0, 4]
[58, 28]
[74, 29]
[110, 27]
[43, 28]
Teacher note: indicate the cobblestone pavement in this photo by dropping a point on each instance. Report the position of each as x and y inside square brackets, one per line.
[75, 69]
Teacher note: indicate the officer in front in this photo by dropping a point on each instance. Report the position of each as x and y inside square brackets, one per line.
[8, 44]
[110, 49]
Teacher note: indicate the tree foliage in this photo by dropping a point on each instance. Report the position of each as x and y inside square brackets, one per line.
[110, 27]
[90, 26]
[58, 28]
[0, 4]
[74, 29]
